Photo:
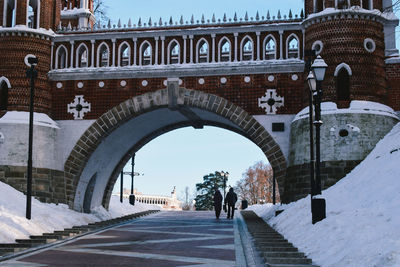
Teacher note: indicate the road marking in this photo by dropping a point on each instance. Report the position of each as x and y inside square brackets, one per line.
[204, 261]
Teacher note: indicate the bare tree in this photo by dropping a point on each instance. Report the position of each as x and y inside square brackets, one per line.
[100, 11]
[256, 186]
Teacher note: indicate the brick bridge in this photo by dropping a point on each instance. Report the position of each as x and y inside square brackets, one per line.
[105, 91]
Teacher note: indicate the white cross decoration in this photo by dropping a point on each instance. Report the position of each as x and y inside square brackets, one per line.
[271, 101]
[79, 107]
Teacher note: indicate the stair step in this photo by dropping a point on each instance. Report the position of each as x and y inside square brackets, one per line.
[274, 244]
[291, 265]
[30, 241]
[270, 249]
[289, 260]
[283, 254]
[14, 245]
[45, 238]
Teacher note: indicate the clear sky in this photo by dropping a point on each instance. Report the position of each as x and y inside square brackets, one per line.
[181, 158]
[125, 9]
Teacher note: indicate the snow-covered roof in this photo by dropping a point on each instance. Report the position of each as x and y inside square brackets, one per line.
[22, 117]
[356, 106]
[23, 29]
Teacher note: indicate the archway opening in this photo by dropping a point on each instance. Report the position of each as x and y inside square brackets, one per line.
[178, 160]
[110, 142]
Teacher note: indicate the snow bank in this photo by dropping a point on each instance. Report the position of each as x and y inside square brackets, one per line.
[363, 218]
[50, 217]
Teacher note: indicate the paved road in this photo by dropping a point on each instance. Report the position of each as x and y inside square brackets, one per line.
[164, 239]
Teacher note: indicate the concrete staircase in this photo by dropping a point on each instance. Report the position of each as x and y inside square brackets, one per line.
[36, 241]
[272, 246]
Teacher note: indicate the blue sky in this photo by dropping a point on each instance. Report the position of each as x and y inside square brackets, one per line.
[155, 9]
[181, 158]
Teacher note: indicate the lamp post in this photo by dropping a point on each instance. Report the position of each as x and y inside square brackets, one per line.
[318, 205]
[31, 61]
[225, 177]
[132, 174]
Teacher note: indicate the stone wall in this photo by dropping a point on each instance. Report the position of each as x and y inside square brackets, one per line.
[47, 185]
[297, 183]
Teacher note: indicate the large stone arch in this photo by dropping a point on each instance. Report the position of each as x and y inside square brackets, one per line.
[195, 107]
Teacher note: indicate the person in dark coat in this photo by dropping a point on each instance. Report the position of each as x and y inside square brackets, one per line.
[230, 199]
[217, 203]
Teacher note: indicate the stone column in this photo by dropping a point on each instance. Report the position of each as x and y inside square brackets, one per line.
[236, 47]
[52, 57]
[162, 50]
[72, 54]
[113, 52]
[184, 48]
[191, 48]
[258, 45]
[156, 51]
[304, 41]
[134, 39]
[281, 44]
[92, 61]
[213, 48]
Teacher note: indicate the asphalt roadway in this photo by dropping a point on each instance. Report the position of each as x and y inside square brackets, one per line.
[168, 238]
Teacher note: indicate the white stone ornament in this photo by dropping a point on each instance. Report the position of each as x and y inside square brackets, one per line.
[271, 101]
[79, 107]
[271, 78]
[59, 85]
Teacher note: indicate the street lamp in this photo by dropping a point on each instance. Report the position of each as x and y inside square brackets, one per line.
[319, 67]
[225, 177]
[31, 61]
[132, 174]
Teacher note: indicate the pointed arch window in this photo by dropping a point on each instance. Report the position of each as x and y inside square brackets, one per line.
[366, 4]
[9, 12]
[124, 55]
[33, 14]
[292, 47]
[173, 53]
[342, 4]
[269, 48]
[246, 50]
[82, 56]
[319, 5]
[145, 53]
[224, 50]
[103, 55]
[4, 86]
[202, 49]
[61, 57]
[343, 83]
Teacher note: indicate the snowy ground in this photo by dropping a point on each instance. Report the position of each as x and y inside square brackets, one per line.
[50, 217]
[362, 227]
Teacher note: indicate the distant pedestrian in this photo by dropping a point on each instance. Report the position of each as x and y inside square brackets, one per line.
[230, 199]
[217, 203]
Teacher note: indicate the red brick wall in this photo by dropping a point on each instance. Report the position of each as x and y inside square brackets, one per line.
[343, 41]
[13, 50]
[235, 90]
[393, 75]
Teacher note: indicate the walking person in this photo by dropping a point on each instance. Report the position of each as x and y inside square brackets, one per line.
[230, 199]
[217, 203]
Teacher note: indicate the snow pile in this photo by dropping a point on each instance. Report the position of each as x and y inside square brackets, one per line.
[363, 218]
[50, 217]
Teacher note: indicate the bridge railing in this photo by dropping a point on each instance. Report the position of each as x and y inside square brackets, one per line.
[192, 45]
